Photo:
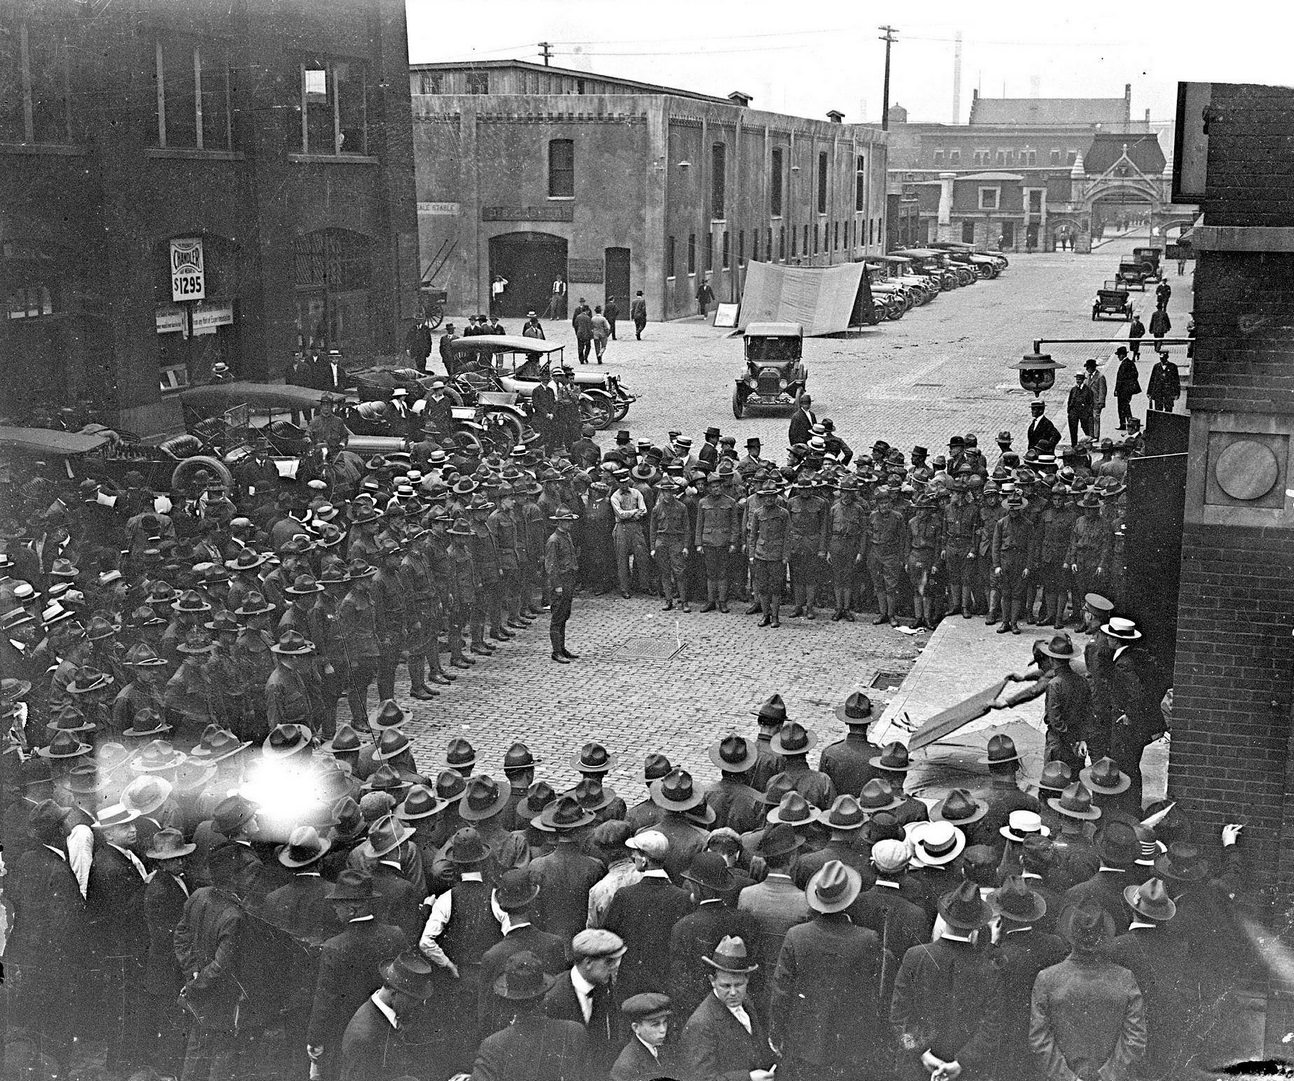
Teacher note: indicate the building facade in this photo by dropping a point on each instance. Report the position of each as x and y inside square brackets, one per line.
[181, 185]
[535, 173]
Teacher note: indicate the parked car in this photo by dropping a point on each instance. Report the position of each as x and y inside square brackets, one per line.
[1112, 299]
[1132, 273]
[936, 264]
[775, 374]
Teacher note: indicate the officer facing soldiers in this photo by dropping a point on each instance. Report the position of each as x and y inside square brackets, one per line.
[886, 534]
[846, 528]
[1012, 539]
[668, 542]
[561, 567]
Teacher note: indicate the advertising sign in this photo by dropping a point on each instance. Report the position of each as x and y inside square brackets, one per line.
[188, 272]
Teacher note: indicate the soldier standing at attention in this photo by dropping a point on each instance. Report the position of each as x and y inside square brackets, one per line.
[560, 567]
[1089, 547]
[924, 546]
[846, 527]
[1011, 544]
[883, 549]
[668, 543]
[768, 542]
[808, 523]
[960, 528]
[718, 526]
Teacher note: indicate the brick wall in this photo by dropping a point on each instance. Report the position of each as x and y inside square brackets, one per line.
[1251, 148]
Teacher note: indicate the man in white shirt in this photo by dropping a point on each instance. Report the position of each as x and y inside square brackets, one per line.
[630, 509]
[497, 287]
[584, 994]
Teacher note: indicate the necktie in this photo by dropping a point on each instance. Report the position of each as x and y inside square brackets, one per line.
[600, 1018]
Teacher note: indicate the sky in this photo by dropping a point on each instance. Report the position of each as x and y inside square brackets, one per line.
[826, 54]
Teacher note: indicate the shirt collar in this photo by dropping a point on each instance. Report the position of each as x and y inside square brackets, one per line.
[1103, 869]
[711, 901]
[654, 1053]
[656, 872]
[471, 876]
[887, 883]
[582, 986]
[383, 1008]
[949, 936]
[359, 919]
[1141, 923]
[1017, 930]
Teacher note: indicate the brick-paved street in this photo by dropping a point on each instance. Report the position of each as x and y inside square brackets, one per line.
[941, 369]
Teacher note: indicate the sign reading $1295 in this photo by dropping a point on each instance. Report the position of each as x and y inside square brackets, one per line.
[188, 270]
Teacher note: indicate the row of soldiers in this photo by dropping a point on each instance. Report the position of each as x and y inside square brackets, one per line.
[342, 909]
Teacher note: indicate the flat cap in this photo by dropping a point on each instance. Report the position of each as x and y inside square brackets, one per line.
[596, 942]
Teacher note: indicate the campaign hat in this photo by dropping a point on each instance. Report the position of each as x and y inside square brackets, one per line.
[1015, 902]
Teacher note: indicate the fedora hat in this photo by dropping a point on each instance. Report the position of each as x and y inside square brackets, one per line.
[732, 754]
[348, 820]
[1150, 900]
[538, 796]
[232, 813]
[960, 808]
[1117, 844]
[893, 757]
[1061, 647]
[935, 844]
[1075, 802]
[1104, 778]
[385, 835]
[1016, 902]
[846, 813]
[523, 978]
[1001, 749]
[793, 739]
[169, 844]
[834, 888]
[466, 847]
[304, 847]
[146, 794]
[1021, 824]
[563, 815]
[483, 799]
[656, 766]
[344, 741]
[1056, 777]
[1086, 925]
[773, 710]
[83, 780]
[709, 869]
[856, 709]
[419, 802]
[794, 810]
[411, 974]
[392, 742]
[288, 739]
[730, 955]
[778, 840]
[676, 792]
[1182, 863]
[460, 754]
[593, 758]
[352, 885]
[963, 909]
[877, 795]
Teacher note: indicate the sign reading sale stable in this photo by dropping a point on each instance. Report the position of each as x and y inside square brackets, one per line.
[188, 271]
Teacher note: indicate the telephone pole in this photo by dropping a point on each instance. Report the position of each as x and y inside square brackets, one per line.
[546, 51]
[885, 89]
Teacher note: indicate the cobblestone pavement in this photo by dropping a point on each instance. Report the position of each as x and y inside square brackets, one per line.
[942, 368]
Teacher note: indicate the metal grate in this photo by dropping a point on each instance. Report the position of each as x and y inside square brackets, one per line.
[887, 681]
[649, 650]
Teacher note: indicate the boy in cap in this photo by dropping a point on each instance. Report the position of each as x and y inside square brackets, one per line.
[647, 1055]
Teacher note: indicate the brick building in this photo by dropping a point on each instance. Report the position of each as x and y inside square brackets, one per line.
[536, 172]
[272, 137]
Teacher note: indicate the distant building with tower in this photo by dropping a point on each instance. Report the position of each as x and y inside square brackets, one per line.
[537, 173]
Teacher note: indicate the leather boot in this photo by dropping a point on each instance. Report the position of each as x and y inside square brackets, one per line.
[682, 596]
[417, 678]
[723, 596]
[711, 588]
[882, 610]
[777, 604]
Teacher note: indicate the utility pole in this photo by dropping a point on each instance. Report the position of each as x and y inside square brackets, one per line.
[546, 51]
[885, 89]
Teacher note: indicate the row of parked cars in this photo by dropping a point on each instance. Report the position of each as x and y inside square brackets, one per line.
[1114, 297]
[910, 277]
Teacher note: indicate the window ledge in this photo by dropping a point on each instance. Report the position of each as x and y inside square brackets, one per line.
[334, 159]
[561, 198]
[53, 149]
[192, 153]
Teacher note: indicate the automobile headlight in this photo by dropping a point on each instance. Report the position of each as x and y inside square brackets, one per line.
[781, 383]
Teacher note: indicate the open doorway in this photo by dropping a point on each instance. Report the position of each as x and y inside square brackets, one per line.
[530, 262]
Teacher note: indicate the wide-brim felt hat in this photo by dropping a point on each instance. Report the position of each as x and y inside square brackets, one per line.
[562, 815]
[856, 709]
[730, 956]
[833, 888]
[593, 758]
[733, 754]
[963, 909]
[524, 979]
[676, 791]
[484, 798]
[711, 870]
[960, 808]
[893, 757]
[1151, 900]
[411, 974]
[1182, 863]
[1016, 902]
[793, 739]
[1104, 778]
[1075, 802]
[1061, 647]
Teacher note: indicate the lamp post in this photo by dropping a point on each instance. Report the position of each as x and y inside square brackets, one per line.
[1037, 372]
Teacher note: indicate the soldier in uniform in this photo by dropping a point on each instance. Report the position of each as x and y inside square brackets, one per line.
[561, 567]
[960, 531]
[751, 463]
[462, 583]
[502, 526]
[808, 545]
[668, 536]
[768, 545]
[883, 550]
[924, 547]
[1056, 526]
[1088, 555]
[190, 699]
[846, 528]
[414, 577]
[389, 611]
[1012, 545]
[292, 693]
[489, 571]
[717, 532]
[357, 624]
[325, 634]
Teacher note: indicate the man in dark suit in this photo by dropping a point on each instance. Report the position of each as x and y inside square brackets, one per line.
[534, 1047]
[564, 876]
[647, 1056]
[775, 904]
[1118, 848]
[515, 895]
[165, 895]
[326, 373]
[725, 1039]
[826, 1014]
[848, 761]
[802, 421]
[583, 994]
[349, 965]
[1004, 794]
[437, 412]
[643, 914]
[301, 906]
[1041, 430]
[376, 1044]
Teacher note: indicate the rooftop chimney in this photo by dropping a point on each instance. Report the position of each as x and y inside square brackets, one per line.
[835, 116]
[739, 99]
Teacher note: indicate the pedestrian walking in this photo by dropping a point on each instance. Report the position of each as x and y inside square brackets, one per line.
[1136, 331]
[704, 297]
[582, 321]
[612, 311]
[601, 330]
[533, 328]
[1162, 292]
[1078, 408]
[1165, 385]
[638, 313]
[1160, 325]
[1127, 384]
[498, 286]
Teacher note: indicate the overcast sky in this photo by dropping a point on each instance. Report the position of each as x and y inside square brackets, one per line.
[809, 57]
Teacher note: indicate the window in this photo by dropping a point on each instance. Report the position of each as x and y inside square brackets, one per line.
[817, 237]
[725, 249]
[860, 184]
[669, 257]
[429, 82]
[1033, 156]
[35, 96]
[1035, 202]
[982, 156]
[775, 184]
[1002, 156]
[871, 230]
[968, 232]
[478, 82]
[29, 302]
[709, 251]
[718, 180]
[793, 239]
[835, 244]
[561, 169]
[939, 157]
[754, 248]
[768, 248]
[334, 112]
[691, 253]
[804, 246]
[1071, 156]
[822, 183]
[781, 242]
[193, 96]
[1055, 157]
[988, 198]
[954, 157]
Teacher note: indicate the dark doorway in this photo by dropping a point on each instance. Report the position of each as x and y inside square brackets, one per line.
[616, 277]
[530, 262]
[1008, 235]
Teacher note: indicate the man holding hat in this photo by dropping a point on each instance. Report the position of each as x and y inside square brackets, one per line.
[376, 1045]
[534, 1047]
[725, 1037]
[646, 1056]
[825, 1015]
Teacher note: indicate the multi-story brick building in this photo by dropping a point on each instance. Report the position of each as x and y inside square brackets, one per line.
[534, 172]
[269, 137]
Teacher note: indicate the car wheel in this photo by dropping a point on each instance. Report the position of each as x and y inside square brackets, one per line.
[738, 406]
[502, 432]
[596, 409]
[189, 466]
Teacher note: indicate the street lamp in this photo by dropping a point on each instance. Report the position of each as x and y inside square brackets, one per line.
[1037, 372]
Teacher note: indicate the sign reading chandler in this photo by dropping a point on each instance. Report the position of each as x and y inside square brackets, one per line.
[188, 272]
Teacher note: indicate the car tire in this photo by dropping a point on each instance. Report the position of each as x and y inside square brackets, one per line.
[738, 406]
[189, 466]
[597, 409]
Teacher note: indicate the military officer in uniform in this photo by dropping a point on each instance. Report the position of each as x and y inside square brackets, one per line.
[924, 547]
[1012, 540]
[561, 566]
[808, 545]
[667, 540]
[960, 531]
[883, 550]
[718, 529]
[768, 542]
[846, 528]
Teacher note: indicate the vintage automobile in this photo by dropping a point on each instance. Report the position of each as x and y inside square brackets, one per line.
[1150, 258]
[924, 287]
[509, 363]
[1112, 299]
[896, 299]
[936, 264]
[1132, 273]
[775, 374]
[984, 266]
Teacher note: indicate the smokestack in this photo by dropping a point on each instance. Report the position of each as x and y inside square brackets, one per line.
[957, 78]
[1035, 86]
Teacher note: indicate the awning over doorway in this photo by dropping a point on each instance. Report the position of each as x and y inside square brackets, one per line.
[824, 300]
